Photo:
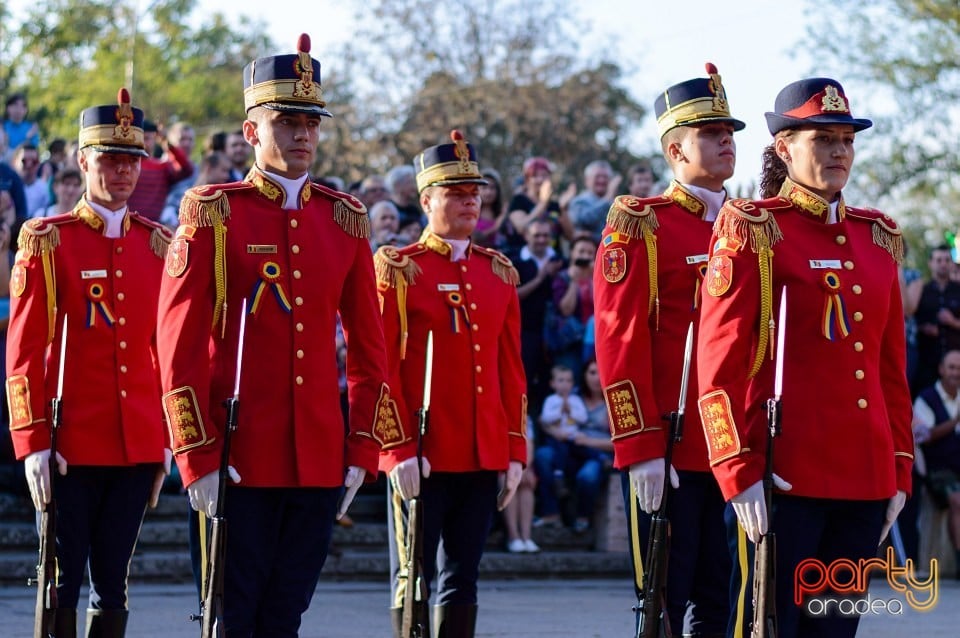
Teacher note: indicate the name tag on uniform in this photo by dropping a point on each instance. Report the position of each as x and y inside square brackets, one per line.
[696, 259]
[93, 274]
[817, 264]
[261, 249]
[448, 287]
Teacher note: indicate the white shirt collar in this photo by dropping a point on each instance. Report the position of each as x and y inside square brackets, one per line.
[292, 188]
[459, 247]
[112, 218]
[713, 200]
[526, 253]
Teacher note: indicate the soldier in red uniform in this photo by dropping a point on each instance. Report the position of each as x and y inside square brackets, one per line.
[298, 253]
[651, 262]
[467, 296]
[846, 445]
[101, 265]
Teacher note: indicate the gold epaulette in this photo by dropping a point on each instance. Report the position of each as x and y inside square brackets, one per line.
[160, 235]
[634, 216]
[886, 232]
[205, 206]
[394, 268]
[42, 235]
[348, 211]
[502, 266]
[746, 221]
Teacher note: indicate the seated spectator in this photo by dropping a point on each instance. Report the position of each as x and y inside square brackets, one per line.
[937, 427]
[534, 201]
[569, 451]
[518, 514]
[26, 161]
[640, 179]
[157, 176]
[402, 184]
[214, 169]
[68, 186]
[385, 225]
[492, 211]
[18, 129]
[588, 210]
[572, 306]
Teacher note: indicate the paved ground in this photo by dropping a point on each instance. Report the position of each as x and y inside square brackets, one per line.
[556, 608]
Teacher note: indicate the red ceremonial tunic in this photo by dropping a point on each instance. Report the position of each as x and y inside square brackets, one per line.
[846, 404]
[108, 289]
[646, 292]
[478, 407]
[297, 269]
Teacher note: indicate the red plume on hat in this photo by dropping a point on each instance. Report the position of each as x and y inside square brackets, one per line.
[124, 110]
[461, 150]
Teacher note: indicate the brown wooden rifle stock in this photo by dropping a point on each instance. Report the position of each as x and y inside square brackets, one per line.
[212, 605]
[46, 581]
[654, 620]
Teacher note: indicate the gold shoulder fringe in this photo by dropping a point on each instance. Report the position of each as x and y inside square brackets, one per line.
[201, 208]
[355, 223]
[159, 241]
[626, 216]
[391, 266]
[742, 220]
[38, 237]
[502, 266]
[886, 232]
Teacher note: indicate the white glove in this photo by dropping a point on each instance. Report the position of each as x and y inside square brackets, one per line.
[352, 482]
[37, 468]
[647, 481]
[751, 508]
[406, 479]
[511, 481]
[204, 492]
[896, 504]
[162, 472]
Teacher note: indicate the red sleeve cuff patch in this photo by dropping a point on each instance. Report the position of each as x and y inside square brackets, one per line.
[623, 407]
[18, 400]
[184, 420]
[387, 426]
[719, 427]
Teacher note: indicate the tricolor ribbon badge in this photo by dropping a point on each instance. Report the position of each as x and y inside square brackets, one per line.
[269, 276]
[455, 300]
[95, 304]
[834, 310]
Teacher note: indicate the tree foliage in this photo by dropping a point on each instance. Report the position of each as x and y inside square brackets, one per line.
[910, 50]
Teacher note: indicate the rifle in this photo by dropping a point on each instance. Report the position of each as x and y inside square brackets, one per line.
[45, 611]
[415, 619]
[211, 607]
[765, 553]
[654, 621]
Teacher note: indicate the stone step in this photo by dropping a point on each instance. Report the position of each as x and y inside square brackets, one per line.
[174, 566]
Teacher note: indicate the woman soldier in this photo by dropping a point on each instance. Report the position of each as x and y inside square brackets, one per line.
[845, 451]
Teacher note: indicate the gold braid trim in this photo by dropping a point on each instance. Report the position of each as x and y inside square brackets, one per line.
[159, 241]
[396, 270]
[50, 280]
[355, 223]
[503, 268]
[892, 243]
[736, 222]
[624, 217]
[766, 327]
[654, 301]
[200, 208]
[38, 237]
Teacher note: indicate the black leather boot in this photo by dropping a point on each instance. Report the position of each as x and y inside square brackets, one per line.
[65, 623]
[106, 623]
[454, 621]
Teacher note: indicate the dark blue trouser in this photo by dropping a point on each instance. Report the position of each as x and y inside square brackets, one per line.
[277, 542]
[99, 512]
[699, 565]
[822, 529]
[457, 513]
